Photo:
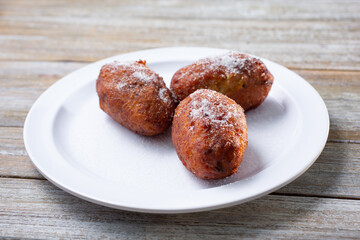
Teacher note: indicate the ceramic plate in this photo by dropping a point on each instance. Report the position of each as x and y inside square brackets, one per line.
[83, 151]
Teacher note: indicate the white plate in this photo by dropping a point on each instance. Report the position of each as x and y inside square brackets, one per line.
[83, 151]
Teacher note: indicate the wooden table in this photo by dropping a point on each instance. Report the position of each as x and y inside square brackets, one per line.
[41, 41]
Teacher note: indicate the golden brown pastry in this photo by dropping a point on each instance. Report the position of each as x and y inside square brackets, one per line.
[209, 133]
[239, 76]
[135, 96]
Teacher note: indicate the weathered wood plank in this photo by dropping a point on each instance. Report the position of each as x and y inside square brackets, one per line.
[14, 161]
[37, 209]
[334, 174]
[174, 9]
[23, 82]
[17, 166]
[34, 75]
[280, 32]
[333, 87]
[330, 77]
[288, 50]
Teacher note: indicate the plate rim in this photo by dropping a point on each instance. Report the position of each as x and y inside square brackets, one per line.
[152, 210]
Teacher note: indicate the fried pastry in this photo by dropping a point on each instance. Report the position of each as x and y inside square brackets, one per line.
[209, 133]
[135, 96]
[239, 76]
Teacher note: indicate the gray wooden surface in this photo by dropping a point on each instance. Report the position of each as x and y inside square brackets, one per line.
[41, 41]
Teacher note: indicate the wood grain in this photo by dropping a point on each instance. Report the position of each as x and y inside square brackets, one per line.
[334, 174]
[293, 36]
[56, 213]
[14, 161]
[202, 9]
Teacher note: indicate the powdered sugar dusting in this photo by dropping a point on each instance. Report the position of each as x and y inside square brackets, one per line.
[120, 85]
[231, 61]
[163, 96]
[135, 70]
[142, 76]
[212, 109]
[130, 65]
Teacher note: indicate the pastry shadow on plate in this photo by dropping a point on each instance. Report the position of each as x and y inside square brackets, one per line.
[253, 162]
[161, 142]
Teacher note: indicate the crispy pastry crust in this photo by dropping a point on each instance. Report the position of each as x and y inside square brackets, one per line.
[242, 78]
[209, 133]
[136, 97]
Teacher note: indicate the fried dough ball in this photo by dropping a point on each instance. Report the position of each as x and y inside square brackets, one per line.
[209, 133]
[135, 96]
[243, 78]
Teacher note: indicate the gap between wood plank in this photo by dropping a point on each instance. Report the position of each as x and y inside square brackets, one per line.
[273, 193]
[88, 62]
[20, 177]
[58, 60]
[231, 19]
[313, 196]
[343, 141]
